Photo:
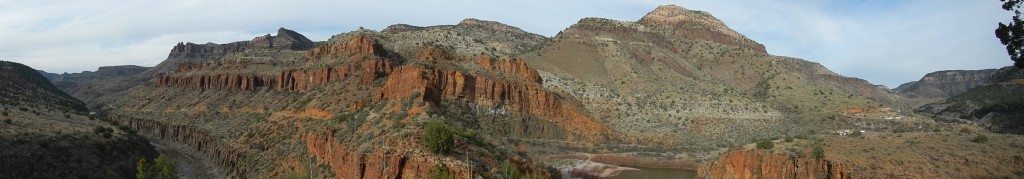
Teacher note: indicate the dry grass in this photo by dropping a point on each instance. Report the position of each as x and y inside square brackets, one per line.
[930, 155]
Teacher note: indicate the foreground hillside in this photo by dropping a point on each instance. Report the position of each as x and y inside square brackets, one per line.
[46, 133]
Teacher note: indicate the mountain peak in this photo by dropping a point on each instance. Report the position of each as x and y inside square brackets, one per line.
[673, 14]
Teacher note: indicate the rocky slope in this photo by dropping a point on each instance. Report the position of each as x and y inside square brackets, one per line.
[997, 106]
[46, 133]
[725, 90]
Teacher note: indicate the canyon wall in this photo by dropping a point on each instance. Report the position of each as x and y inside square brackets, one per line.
[529, 98]
[763, 164]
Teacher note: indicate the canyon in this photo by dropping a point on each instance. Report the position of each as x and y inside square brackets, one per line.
[676, 89]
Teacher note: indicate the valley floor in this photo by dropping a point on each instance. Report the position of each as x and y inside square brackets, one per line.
[191, 165]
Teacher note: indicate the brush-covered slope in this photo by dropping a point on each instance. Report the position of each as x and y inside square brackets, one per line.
[45, 133]
[999, 106]
[681, 77]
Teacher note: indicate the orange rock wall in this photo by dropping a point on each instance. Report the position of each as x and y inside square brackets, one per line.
[529, 98]
[351, 164]
[761, 164]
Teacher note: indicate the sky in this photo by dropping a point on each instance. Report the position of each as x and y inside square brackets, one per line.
[883, 41]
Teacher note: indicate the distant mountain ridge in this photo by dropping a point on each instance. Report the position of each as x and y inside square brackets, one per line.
[946, 83]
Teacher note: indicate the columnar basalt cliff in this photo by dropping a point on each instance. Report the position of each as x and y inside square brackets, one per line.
[227, 158]
[762, 164]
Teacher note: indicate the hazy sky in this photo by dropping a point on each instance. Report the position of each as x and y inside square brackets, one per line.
[884, 41]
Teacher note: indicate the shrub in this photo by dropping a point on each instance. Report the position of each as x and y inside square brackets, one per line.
[818, 152]
[789, 139]
[162, 168]
[68, 116]
[8, 121]
[342, 117]
[937, 129]
[438, 137]
[981, 138]
[509, 170]
[440, 172]
[4, 113]
[765, 144]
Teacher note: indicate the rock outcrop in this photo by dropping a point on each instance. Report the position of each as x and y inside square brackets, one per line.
[762, 164]
[529, 98]
[350, 163]
[358, 57]
[698, 25]
[227, 158]
[943, 84]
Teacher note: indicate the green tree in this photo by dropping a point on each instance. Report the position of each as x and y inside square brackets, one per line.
[818, 152]
[438, 137]
[1012, 35]
[166, 168]
[162, 168]
[765, 144]
[142, 169]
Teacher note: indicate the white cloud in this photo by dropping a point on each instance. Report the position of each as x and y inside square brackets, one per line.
[886, 42]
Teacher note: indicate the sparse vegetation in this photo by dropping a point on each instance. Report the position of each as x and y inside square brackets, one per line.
[441, 172]
[162, 168]
[103, 131]
[438, 137]
[856, 133]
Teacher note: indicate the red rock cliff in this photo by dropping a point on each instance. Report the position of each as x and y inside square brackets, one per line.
[360, 51]
[349, 163]
[529, 98]
[761, 164]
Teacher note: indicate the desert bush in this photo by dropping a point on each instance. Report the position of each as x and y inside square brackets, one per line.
[438, 137]
[766, 144]
[818, 152]
[789, 139]
[981, 138]
[342, 117]
[8, 121]
[4, 113]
